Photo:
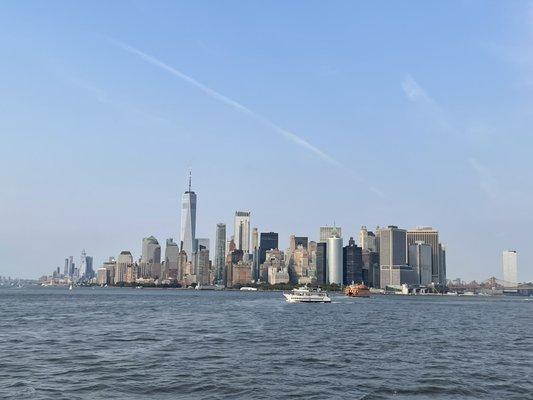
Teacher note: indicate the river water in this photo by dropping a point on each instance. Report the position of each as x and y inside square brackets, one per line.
[122, 343]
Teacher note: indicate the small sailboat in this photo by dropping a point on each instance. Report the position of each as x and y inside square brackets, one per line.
[70, 287]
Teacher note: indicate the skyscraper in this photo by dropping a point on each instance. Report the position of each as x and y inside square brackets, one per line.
[321, 263]
[242, 231]
[150, 258]
[220, 251]
[255, 254]
[188, 221]
[202, 243]
[510, 267]
[326, 232]
[367, 239]
[352, 263]
[420, 259]
[335, 258]
[172, 252]
[124, 261]
[394, 269]
[269, 241]
[301, 241]
[429, 236]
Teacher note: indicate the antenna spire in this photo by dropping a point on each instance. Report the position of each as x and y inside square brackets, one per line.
[190, 178]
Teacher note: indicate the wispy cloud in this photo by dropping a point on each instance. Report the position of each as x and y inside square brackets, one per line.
[414, 91]
[300, 141]
[487, 183]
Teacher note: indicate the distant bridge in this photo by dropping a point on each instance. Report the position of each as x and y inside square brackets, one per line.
[495, 284]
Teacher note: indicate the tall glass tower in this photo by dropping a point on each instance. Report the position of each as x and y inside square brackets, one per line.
[188, 221]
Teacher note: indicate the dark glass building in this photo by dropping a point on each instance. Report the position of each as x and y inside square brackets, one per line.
[301, 240]
[321, 263]
[371, 268]
[268, 241]
[352, 263]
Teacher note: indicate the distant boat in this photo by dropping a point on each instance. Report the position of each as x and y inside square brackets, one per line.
[249, 289]
[70, 287]
[358, 290]
[306, 295]
[205, 287]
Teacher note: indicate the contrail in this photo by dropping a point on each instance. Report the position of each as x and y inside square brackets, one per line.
[232, 103]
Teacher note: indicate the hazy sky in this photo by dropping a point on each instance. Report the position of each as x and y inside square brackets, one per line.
[304, 113]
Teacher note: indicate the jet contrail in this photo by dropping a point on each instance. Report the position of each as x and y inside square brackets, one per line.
[232, 103]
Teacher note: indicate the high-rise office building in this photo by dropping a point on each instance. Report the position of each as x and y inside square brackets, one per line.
[150, 258]
[188, 221]
[371, 268]
[172, 253]
[301, 241]
[335, 258]
[420, 255]
[429, 236]
[203, 267]
[269, 241]
[65, 271]
[220, 251]
[510, 267]
[255, 254]
[202, 243]
[71, 266]
[394, 269]
[124, 261]
[352, 263]
[242, 231]
[367, 239]
[327, 231]
[321, 263]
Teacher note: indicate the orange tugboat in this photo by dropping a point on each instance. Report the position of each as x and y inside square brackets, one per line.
[358, 290]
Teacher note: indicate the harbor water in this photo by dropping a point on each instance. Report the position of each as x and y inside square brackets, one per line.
[125, 343]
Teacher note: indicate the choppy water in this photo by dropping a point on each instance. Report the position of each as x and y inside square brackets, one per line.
[170, 344]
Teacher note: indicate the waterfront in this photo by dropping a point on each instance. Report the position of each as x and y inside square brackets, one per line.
[103, 343]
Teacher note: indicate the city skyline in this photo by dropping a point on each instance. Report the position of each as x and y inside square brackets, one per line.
[415, 257]
[301, 121]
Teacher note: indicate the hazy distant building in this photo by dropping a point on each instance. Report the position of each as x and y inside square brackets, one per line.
[321, 263]
[202, 243]
[188, 221]
[124, 261]
[220, 251]
[301, 241]
[352, 263]
[429, 236]
[101, 276]
[394, 269]
[367, 240]
[110, 266]
[327, 231]
[150, 258]
[242, 273]
[242, 231]
[334, 254]
[420, 255]
[269, 241]
[65, 270]
[371, 268]
[172, 253]
[510, 267]
[203, 267]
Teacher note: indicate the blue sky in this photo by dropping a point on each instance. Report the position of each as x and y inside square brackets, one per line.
[305, 113]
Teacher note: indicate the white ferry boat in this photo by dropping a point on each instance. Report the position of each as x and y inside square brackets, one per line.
[248, 289]
[306, 295]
